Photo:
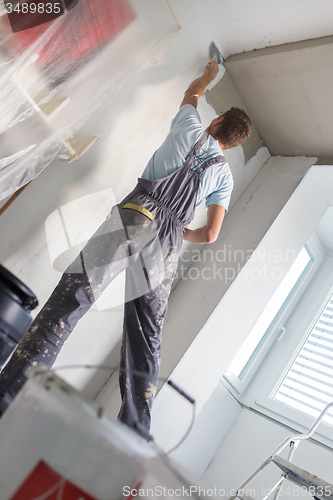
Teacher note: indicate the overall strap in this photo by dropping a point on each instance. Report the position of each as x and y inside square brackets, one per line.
[190, 158]
[208, 163]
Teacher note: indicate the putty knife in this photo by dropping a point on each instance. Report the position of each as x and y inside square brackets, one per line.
[215, 53]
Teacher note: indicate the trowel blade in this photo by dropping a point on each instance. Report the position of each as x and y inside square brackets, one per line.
[215, 53]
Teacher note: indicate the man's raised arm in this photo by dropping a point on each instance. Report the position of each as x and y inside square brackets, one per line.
[198, 86]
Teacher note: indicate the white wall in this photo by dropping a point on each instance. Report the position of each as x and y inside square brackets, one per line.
[250, 441]
[210, 428]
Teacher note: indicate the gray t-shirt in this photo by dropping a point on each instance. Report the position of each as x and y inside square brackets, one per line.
[216, 182]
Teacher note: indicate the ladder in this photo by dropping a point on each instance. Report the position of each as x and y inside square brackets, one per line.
[318, 488]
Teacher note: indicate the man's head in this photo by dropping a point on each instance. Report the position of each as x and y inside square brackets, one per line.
[231, 129]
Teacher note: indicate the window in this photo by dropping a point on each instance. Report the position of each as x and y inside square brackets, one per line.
[308, 385]
[269, 326]
[294, 382]
[288, 373]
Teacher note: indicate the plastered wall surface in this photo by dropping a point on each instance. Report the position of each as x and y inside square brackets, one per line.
[287, 90]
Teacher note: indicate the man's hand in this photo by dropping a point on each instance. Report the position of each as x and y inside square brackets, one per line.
[198, 86]
[209, 232]
[211, 70]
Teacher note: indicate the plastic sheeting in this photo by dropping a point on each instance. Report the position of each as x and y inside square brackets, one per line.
[56, 76]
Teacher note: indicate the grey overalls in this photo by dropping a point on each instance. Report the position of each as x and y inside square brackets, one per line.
[143, 234]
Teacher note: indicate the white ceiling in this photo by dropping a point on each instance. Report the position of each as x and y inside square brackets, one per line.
[245, 25]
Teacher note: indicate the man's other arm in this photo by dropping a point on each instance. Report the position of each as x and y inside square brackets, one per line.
[209, 232]
[198, 86]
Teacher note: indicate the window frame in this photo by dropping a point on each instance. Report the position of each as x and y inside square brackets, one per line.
[267, 380]
[237, 384]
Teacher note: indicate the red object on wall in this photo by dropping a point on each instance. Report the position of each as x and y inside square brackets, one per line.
[84, 30]
[44, 482]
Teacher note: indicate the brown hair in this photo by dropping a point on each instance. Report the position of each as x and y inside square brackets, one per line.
[235, 128]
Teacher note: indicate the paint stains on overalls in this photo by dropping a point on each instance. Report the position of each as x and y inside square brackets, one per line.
[144, 235]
